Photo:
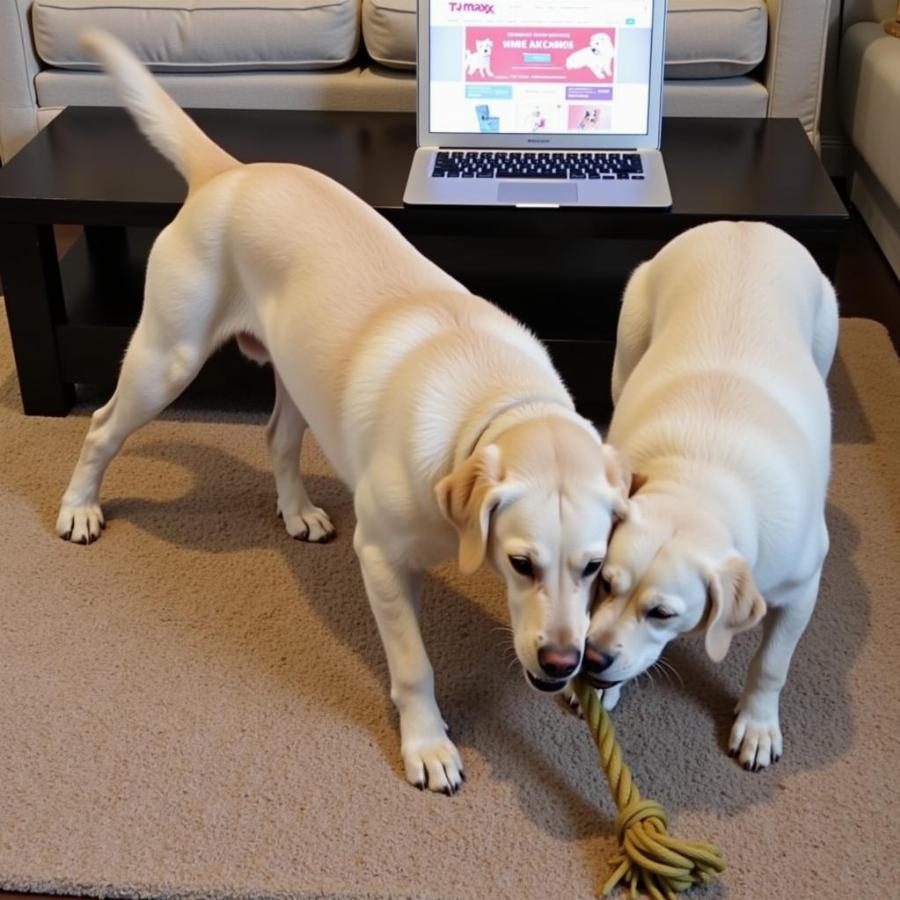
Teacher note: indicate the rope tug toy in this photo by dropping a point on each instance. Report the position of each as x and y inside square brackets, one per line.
[649, 858]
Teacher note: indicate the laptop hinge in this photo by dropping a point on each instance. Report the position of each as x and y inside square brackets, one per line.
[536, 150]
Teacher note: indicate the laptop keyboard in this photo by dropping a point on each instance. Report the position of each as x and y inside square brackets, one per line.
[537, 164]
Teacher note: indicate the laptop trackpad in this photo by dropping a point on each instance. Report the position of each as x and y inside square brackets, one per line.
[510, 192]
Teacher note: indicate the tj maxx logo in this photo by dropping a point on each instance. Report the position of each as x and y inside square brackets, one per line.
[486, 8]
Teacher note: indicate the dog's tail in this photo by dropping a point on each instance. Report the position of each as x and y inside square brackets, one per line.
[158, 116]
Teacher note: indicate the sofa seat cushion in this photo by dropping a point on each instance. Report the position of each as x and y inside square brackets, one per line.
[351, 87]
[869, 96]
[204, 35]
[704, 38]
[374, 88]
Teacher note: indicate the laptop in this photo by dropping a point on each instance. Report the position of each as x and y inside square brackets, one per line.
[539, 103]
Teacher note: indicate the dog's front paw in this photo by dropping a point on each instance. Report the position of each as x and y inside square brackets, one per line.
[432, 761]
[312, 524]
[755, 740]
[80, 524]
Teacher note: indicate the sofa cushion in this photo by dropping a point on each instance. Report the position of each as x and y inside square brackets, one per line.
[389, 32]
[204, 35]
[715, 38]
[741, 96]
[704, 38]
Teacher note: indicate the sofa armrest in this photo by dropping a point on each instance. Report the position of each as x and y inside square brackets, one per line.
[795, 60]
[18, 67]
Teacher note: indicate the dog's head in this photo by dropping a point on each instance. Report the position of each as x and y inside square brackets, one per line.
[601, 44]
[539, 503]
[484, 47]
[668, 571]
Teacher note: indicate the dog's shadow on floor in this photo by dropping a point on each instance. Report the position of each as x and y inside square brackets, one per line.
[544, 754]
[479, 685]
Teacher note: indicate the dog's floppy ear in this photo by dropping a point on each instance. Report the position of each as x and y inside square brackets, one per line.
[735, 605]
[468, 496]
[622, 478]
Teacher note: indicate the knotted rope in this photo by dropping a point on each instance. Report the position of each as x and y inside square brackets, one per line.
[649, 858]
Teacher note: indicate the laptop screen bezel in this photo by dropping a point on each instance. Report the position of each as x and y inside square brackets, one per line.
[494, 141]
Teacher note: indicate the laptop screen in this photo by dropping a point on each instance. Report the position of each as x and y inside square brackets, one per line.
[558, 67]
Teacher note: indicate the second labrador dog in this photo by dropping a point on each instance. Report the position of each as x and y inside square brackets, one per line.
[442, 413]
[724, 342]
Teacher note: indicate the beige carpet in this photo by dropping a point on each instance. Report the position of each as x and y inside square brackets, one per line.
[197, 705]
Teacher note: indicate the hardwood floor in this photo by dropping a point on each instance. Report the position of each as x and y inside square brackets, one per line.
[866, 284]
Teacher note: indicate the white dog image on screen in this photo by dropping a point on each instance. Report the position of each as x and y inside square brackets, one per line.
[597, 56]
[479, 61]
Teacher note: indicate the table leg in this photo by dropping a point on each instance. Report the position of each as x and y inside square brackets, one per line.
[34, 307]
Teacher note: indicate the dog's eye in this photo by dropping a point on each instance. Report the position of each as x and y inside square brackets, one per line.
[660, 612]
[591, 568]
[522, 565]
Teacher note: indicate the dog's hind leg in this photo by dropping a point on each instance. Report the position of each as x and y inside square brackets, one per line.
[151, 378]
[303, 520]
[169, 345]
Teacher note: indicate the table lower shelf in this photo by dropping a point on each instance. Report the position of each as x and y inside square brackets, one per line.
[568, 295]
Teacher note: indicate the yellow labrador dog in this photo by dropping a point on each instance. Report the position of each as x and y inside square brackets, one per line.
[444, 415]
[724, 342]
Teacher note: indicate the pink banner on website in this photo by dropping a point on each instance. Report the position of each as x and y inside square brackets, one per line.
[584, 55]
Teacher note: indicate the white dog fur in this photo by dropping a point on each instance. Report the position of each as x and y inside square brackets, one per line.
[597, 56]
[724, 343]
[443, 414]
[479, 60]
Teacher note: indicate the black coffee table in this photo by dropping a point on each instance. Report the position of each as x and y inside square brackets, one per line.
[560, 271]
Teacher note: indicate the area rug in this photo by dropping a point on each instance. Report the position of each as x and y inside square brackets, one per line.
[197, 706]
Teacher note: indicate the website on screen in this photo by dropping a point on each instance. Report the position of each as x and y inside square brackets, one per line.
[531, 66]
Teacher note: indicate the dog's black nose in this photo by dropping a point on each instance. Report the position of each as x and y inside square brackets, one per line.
[596, 661]
[558, 662]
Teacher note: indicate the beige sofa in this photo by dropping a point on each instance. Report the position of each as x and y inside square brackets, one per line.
[869, 100]
[723, 57]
